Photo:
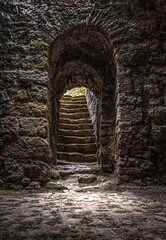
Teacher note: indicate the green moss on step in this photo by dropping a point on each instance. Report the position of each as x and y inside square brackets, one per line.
[55, 186]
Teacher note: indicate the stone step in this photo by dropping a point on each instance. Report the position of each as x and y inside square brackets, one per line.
[63, 162]
[75, 121]
[76, 141]
[71, 139]
[81, 148]
[74, 110]
[82, 101]
[68, 97]
[73, 105]
[76, 157]
[74, 115]
[81, 126]
[73, 169]
[79, 133]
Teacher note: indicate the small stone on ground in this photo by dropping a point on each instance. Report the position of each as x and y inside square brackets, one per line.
[55, 186]
[87, 178]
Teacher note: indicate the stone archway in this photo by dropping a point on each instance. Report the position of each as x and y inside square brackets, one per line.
[83, 56]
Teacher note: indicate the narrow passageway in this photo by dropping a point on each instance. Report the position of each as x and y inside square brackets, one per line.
[76, 141]
[76, 145]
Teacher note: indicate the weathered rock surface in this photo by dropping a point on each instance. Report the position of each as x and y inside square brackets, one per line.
[33, 185]
[55, 186]
[87, 178]
[23, 173]
[25, 181]
[116, 49]
[37, 171]
[54, 174]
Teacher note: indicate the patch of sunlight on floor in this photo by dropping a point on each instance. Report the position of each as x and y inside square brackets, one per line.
[76, 92]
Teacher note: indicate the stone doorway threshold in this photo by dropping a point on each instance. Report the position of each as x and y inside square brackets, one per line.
[84, 177]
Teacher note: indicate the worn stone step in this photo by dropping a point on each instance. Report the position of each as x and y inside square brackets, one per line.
[80, 133]
[74, 100]
[73, 105]
[74, 110]
[73, 169]
[74, 139]
[68, 97]
[81, 101]
[63, 162]
[74, 115]
[81, 148]
[81, 126]
[75, 121]
[76, 157]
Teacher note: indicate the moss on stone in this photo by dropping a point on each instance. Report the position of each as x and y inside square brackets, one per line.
[39, 44]
[34, 105]
[55, 186]
[30, 71]
[25, 75]
[41, 64]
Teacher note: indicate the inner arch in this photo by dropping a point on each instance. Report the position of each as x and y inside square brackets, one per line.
[77, 74]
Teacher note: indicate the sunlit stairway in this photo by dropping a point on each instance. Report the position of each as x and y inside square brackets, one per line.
[76, 141]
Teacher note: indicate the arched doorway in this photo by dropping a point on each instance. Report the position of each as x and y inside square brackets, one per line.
[82, 57]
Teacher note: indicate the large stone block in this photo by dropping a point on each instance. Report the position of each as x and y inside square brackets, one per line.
[37, 171]
[22, 95]
[35, 127]
[20, 173]
[152, 90]
[158, 115]
[129, 113]
[9, 124]
[126, 99]
[28, 147]
[11, 171]
[38, 93]
[4, 97]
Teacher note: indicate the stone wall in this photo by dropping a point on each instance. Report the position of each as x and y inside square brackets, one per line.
[95, 108]
[137, 84]
[132, 74]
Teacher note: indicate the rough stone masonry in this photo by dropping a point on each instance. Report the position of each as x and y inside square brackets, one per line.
[114, 48]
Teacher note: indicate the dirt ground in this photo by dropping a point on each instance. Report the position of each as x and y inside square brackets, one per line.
[101, 210]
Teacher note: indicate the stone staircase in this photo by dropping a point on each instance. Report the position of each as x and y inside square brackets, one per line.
[76, 141]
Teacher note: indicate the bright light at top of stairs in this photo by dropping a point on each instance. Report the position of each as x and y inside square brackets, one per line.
[76, 92]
